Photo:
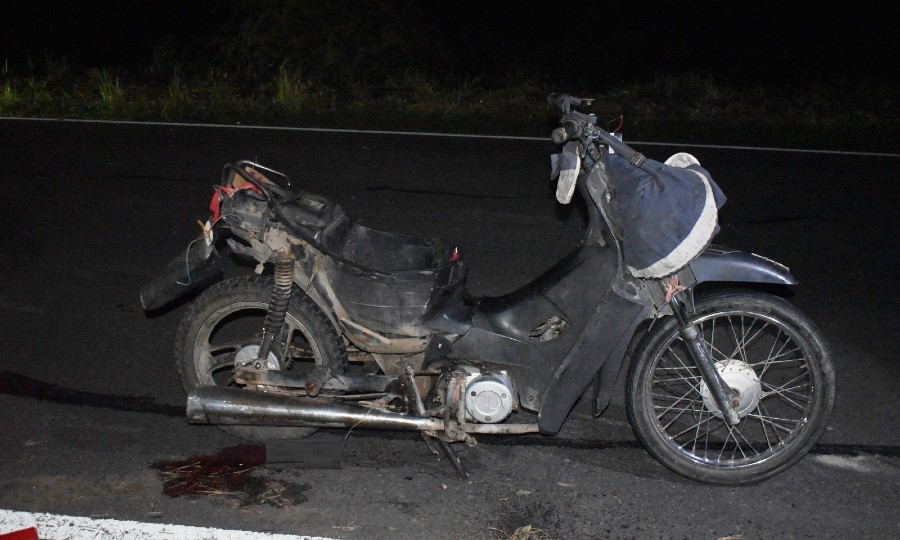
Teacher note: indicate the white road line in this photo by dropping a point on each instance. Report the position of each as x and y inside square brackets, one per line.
[58, 527]
[450, 135]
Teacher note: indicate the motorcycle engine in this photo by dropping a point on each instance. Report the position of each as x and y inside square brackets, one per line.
[489, 396]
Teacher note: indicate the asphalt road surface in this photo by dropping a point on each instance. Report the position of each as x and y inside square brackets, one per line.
[92, 408]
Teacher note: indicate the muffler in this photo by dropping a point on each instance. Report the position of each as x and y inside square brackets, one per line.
[209, 404]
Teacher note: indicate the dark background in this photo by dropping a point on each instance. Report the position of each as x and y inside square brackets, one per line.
[590, 43]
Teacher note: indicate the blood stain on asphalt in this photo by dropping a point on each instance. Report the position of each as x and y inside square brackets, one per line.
[235, 472]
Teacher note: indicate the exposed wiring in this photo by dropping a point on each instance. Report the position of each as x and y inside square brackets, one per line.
[187, 260]
[621, 120]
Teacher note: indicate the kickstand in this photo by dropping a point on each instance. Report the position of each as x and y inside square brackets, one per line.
[416, 400]
[432, 443]
[454, 459]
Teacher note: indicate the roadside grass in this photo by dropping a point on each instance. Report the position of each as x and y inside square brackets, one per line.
[685, 108]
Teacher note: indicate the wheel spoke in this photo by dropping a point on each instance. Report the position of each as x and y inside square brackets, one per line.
[711, 342]
[220, 356]
[677, 388]
[748, 445]
[774, 363]
[697, 432]
[673, 377]
[677, 413]
[695, 426]
[689, 407]
[762, 417]
[782, 359]
[692, 381]
[734, 335]
[782, 424]
[767, 363]
[745, 339]
[230, 346]
[218, 363]
[775, 423]
[789, 397]
[674, 407]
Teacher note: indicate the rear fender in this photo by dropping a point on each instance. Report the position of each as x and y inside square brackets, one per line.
[198, 265]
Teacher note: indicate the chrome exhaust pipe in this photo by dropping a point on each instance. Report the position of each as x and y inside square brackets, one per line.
[208, 404]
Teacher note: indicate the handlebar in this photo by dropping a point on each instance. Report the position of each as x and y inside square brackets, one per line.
[569, 130]
[578, 125]
[566, 103]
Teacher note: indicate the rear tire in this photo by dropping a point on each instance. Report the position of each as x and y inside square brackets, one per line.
[228, 317]
[764, 347]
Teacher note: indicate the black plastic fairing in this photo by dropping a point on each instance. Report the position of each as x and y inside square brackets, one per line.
[605, 339]
[504, 328]
[570, 290]
[452, 313]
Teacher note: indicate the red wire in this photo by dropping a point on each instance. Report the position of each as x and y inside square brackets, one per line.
[621, 123]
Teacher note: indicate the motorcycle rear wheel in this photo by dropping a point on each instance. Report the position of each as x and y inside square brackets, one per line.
[765, 348]
[227, 320]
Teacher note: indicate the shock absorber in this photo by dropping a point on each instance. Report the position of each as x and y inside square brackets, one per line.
[278, 304]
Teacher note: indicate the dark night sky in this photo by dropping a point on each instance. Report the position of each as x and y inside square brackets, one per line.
[601, 42]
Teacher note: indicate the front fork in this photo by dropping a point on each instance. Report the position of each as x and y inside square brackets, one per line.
[721, 392]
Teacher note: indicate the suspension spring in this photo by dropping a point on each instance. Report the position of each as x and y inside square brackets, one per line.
[278, 304]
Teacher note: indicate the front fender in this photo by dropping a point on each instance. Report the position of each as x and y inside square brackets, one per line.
[719, 263]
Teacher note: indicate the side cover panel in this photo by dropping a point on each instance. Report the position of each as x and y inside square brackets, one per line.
[604, 339]
[506, 335]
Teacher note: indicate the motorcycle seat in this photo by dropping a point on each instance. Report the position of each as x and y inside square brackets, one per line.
[336, 234]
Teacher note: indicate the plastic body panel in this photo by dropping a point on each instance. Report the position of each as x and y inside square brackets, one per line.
[197, 266]
[719, 263]
[552, 375]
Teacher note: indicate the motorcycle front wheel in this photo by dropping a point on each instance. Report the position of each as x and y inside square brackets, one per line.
[767, 351]
[223, 328]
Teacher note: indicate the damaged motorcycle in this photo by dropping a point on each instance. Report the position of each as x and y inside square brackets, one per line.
[342, 325]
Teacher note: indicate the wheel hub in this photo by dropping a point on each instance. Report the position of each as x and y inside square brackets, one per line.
[246, 357]
[744, 384]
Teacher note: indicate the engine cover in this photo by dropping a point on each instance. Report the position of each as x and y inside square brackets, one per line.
[489, 398]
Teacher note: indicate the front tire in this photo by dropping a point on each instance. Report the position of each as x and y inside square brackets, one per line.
[767, 349]
[226, 323]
